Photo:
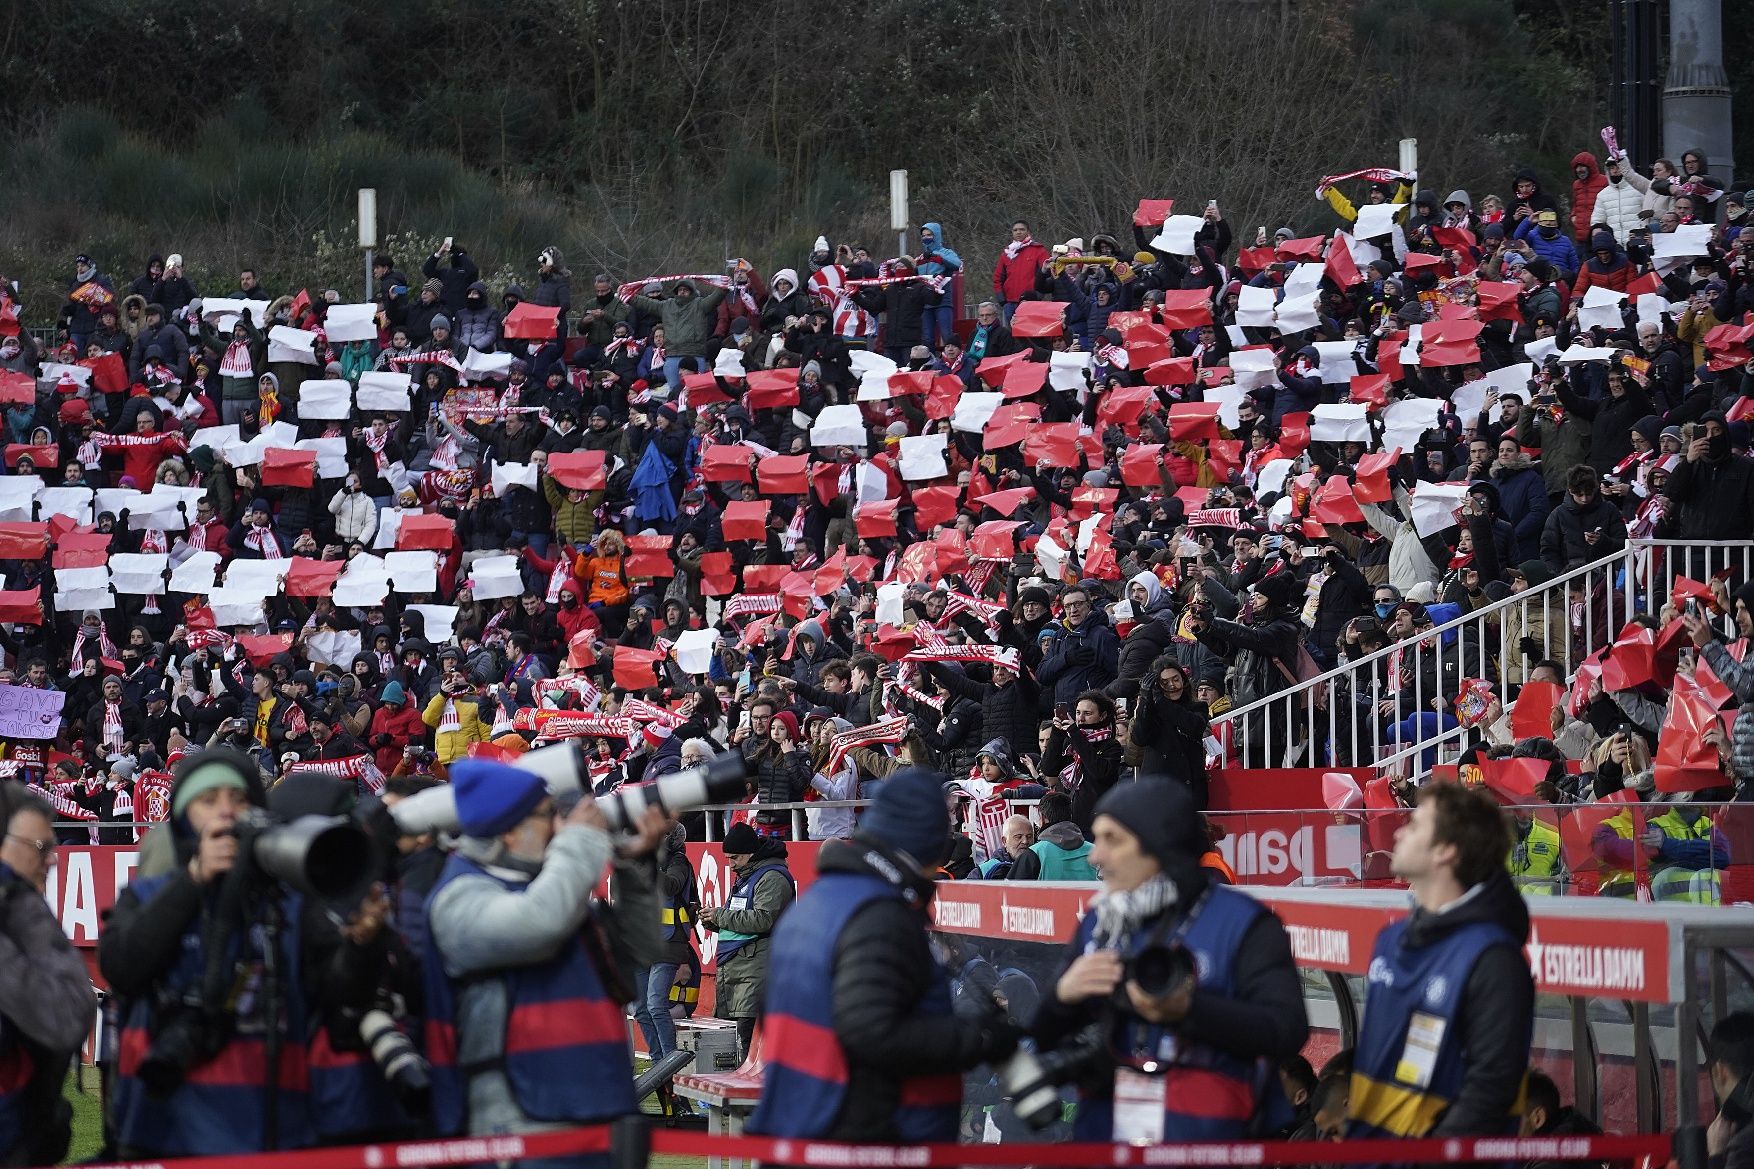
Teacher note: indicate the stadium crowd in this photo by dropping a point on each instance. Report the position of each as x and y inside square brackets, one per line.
[276, 553]
[807, 515]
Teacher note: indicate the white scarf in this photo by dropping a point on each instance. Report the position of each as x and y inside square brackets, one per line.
[1119, 913]
[1017, 245]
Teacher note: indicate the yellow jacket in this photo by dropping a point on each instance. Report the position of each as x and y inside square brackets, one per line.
[1345, 210]
[450, 746]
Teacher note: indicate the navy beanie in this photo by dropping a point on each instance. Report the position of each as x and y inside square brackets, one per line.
[1161, 813]
[909, 814]
[493, 798]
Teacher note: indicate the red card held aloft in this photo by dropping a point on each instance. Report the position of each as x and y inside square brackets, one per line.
[580, 470]
[1039, 318]
[745, 520]
[1531, 716]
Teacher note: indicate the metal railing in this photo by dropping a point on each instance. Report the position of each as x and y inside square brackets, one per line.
[1391, 709]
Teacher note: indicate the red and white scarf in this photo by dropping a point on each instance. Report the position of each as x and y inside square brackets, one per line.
[264, 541]
[633, 287]
[354, 767]
[991, 655]
[236, 362]
[1374, 174]
[1017, 245]
[753, 604]
[829, 286]
[449, 719]
[889, 731]
[106, 647]
[1072, 774]
[987, 611]
[112, 726]
[375, 443]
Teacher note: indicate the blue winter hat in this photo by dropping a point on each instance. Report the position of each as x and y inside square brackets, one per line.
[909, 814]
[493, 798]
[392, 694]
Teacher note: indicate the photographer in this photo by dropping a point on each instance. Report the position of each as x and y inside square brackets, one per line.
[861, 1042]
[184, 952]
[517, 943]
[46, 1000]
[1168, 961]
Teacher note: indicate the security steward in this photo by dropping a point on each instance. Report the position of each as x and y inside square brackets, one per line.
[859, 1039]
[1537, 859]
[764, 890]
[1449, 1002]
[1188, 986]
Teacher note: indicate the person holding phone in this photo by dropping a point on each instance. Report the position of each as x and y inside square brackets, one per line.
[1084, 754]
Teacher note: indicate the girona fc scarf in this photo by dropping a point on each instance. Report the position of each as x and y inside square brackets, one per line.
[889, 731]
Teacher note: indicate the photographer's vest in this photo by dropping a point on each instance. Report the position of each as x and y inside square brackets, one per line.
[218, 1109]
[15, 1073]
[685, 992]
[564, 1051]
[1208, 1094]
[807, 1074]
[1410, 1062]
[348, 1094]
[1534, 863]
[1060, 864]
[743, 897]
[679, 912]
[1668, 881]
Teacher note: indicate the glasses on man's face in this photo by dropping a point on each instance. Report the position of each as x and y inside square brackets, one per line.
[1077, 605]
[43, 847]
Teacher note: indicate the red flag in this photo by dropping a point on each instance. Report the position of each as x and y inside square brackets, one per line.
[1646, 283]
[1497, 300]
[45, 455]
[771, 388]
[312, 578]
[998, 436]
[1152, 212]
[648, 558]
[935, 505]
[994, 540]
[1224, 455]
[1340, 267]
[1252, 260]
[785, 475]
[1531, 716]
[1172, 371]
[1418, 262]
[952, 551]
[264, 648]
[1145, 354]
[702, 389]
[1631, 659]
[1124, 406]
[109, 374]
[946, 392]
[717, 576]
[1687, 589]
[1053, 443]
[26, 541]
[1685, 762]
[1294, 433]
[425, 531]
[23, 607]
[764, 578]
[1332, 503]
[636, 669]
[1449, 343]
[1307, 248]
[580, 470]
[1144, 333]
[1039, 318]
[285, 467]
[892, 643]
[991, 370]
[876, 517]
[1186, 308]
[912, 382]
[1007, 501]
[1514, 780]
[1024, 378]
[727, 463]
[1129, 319]
[533, 322]
[1372, 389]
[17, 389]
[745, 520]
[1194, 421]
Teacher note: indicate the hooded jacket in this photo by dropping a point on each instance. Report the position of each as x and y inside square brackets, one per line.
[476, 327]
[1563, 546]
[1583, 193]
[1522, 498]
[939, 260]
[774, 312]
[1614, 273]
[1064, 836]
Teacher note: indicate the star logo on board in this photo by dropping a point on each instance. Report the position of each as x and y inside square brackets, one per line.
[1534, 949]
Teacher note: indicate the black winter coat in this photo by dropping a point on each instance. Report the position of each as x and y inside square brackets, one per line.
[902, 306]
[1007, 712]
[1717, 499]
[883, 969]
[1563, 546]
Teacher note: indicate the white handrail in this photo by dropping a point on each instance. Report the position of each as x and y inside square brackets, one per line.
[1343, 716]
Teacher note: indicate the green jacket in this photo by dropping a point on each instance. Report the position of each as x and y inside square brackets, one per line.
[689, 324]
[1563, 444]
[600, 330]
[742, 981]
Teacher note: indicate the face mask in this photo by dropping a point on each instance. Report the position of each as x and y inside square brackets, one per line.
[1549, 232]
[1717, 446]
[1383, 611]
